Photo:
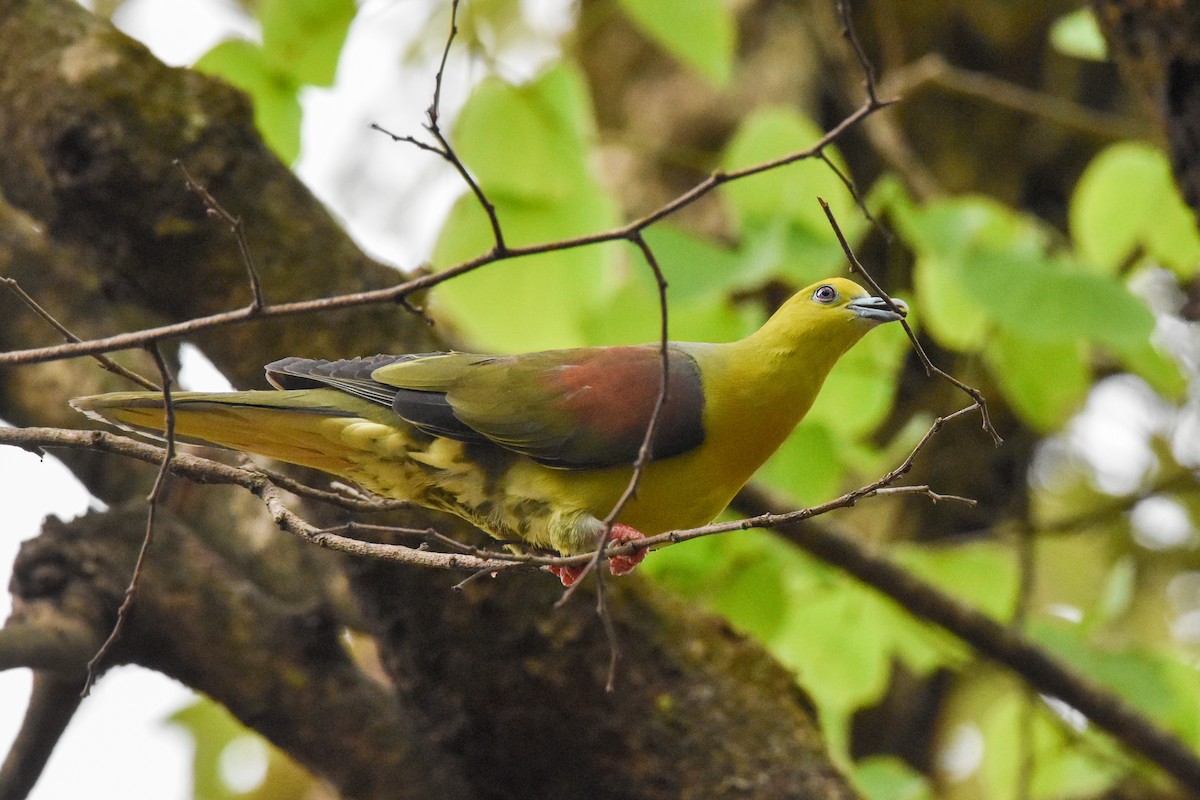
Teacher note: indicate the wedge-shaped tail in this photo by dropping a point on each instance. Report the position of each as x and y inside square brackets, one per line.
[309, 427]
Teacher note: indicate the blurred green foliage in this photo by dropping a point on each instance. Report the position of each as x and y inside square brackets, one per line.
[231, 762]
[1042, 315]
[301, 43]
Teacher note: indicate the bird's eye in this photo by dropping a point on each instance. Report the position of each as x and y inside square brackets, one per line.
[825, 294]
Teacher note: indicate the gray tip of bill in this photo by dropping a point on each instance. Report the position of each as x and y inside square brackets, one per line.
[877, 309]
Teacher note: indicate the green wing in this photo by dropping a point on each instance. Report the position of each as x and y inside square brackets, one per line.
[575, 409]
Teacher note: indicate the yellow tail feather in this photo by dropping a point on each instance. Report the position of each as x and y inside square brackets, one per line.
[305, 427]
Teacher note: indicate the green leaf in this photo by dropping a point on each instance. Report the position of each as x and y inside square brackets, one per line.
[1126, 200]
[532, 303]
[700, 275]
[950, 313]
[1159, 683]
[1047, 300]
[304, 38]
[277, 112]
[694, 268]
[963, 225]
[743, 576]
[945, 236]
[1077, 34]
[631, 316]
[890, 778]
[1046, 382]
[528, 148]
[956, 570]
[858, 393]
[871, 630]
[837, 638]
[529, 141]
[1159, 370]
[806, 466]
[777, 210]
[699, 33]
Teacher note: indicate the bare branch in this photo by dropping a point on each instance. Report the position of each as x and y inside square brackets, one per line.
[645, 450]
[103, 360]
[851, 37]
[257, 301]
[932, 69]
[152, 501]
[443, 148]
[397, 293]
[52, 705]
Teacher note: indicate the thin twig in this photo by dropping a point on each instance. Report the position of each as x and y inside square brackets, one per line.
[394, 294]
[215, 209]
[859, 200]
[486, 572]
[930, 369]
[851, 37]
[103, 360]
[350, 502]
[443, 148]
[152, 502]
[610, 633]
[646, 449]
[986, 635]
[932, 69]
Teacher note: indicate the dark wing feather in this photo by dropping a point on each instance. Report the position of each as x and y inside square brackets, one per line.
[426, 410]
[573, 409]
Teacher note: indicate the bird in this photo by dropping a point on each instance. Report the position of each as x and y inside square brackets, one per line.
[536, 448]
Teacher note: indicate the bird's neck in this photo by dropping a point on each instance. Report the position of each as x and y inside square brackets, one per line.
[789, 360]
[768, 382]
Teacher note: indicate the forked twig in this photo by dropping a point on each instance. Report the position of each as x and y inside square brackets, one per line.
[646, 449]
[930, 368]
[215, 209]
[160, 482]
[102, 359]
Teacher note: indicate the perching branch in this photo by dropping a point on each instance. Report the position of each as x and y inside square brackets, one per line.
[987, 636]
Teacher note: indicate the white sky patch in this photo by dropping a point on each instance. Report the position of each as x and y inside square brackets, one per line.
[178, 32]
[1113, 432]
[1160, 523]
[197, 373]
[963, 754]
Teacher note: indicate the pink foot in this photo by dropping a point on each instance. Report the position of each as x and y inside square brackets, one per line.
[568, 575]
[617, 565]
[623, 565]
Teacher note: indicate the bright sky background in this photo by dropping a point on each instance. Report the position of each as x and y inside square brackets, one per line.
[390, 197]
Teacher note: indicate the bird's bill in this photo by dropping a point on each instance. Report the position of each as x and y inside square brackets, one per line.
[877, 309]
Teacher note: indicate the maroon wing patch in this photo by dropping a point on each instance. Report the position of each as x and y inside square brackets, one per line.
[610, 397]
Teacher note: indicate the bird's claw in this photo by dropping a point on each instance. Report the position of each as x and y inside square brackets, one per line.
[623, 565]
[617, 565]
